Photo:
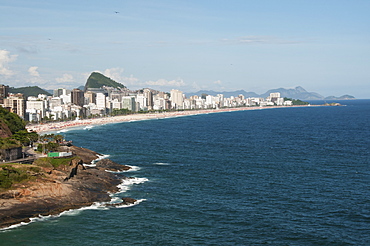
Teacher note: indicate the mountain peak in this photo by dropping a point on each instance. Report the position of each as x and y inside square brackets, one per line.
[300, 89]
[98, 80]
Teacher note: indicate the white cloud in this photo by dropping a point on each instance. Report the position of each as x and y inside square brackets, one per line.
[6, 58]
[218, 82]
[33, 71]
[65, 78]
[163, 82]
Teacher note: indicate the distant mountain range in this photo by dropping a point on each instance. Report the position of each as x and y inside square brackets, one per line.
[97, 80]
[296, 93]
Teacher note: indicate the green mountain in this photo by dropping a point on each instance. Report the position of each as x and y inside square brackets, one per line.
[98, 80]
[29, 91]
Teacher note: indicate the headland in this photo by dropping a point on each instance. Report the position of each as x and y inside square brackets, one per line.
[60, 187]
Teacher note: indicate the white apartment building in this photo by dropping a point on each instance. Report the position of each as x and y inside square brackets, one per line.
[177, 99]
[101, 101]
[141, 100]
[129, 103]
[35, 109]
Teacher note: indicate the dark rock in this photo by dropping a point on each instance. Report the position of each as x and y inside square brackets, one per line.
[111, 165]
[125, 201]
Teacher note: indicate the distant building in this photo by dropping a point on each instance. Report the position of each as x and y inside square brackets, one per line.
[4, 90]
[61, 91]
[177, 99]
[90, 97]
[101, 101]
[128, 102]
[149, 98]
[35, 109]
[15, 103]
[77, 97]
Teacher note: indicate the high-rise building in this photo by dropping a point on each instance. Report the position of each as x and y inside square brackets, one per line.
[101, 101]
[177, 99]
[149, 98]
[4, 90]
[129, 103]
[35, 109]
[15, 103]
[90, 97]
[77, 97]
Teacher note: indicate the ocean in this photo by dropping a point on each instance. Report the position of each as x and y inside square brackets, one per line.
[287, 176]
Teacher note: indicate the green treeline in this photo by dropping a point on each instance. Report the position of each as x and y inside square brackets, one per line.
[296, 101]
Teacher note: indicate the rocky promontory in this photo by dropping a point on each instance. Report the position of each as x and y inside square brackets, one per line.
[55, 188]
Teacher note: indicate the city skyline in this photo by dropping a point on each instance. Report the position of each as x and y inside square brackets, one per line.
[189, 46]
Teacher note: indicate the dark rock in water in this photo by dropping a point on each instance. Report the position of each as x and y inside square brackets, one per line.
[111, 165]
[125, 201]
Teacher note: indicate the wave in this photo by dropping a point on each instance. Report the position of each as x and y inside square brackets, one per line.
[88, 127]
[133, 168]
[93, 163]
[161, 163]
[131, 205]
[129, 182]
[63, 130]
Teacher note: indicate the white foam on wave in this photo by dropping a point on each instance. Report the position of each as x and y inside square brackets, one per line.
[93, 163]
[161, 163]
[64, 130]
[130, 205]
[127, 183]
[133, 168]
[88, 127]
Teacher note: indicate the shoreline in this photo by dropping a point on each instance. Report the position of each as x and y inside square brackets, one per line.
[64, 188]
[58, 126]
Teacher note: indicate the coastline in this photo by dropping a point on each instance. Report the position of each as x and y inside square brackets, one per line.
[64, 188]
[58, 126]
[59, 191]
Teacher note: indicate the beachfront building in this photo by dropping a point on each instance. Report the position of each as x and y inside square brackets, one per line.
[77, 97]
[128, 102]
[177, 99]
[101, 101]
[141, 101]
[90, 97]
[35, 108]
[149, 98]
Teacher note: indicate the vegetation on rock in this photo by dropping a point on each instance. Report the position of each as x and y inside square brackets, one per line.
[296, 101]
[29, 91]
[98, 80]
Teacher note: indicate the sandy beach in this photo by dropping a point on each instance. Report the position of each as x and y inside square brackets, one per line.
[57, 126]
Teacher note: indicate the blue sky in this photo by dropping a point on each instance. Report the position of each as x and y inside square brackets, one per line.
[223, 45]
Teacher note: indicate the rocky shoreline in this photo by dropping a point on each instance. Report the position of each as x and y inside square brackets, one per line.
[63, 188]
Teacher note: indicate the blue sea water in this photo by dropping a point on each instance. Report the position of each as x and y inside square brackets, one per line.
[289, 176]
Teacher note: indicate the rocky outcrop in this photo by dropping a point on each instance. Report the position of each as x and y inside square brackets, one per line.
[61, 189]
[111, 165]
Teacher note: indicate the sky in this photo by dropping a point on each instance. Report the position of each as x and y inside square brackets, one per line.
[192, 45]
